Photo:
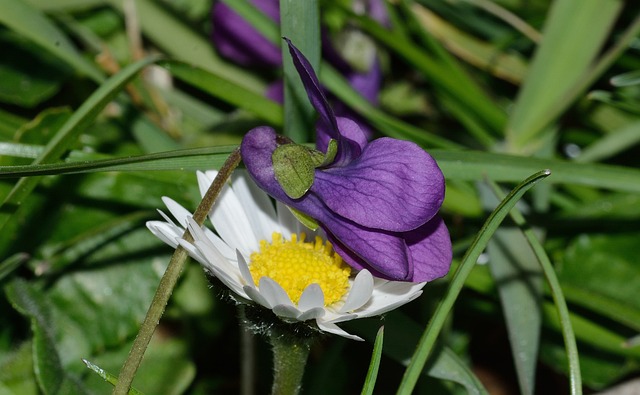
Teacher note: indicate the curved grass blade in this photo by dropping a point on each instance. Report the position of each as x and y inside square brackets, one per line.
[456, 165]
[12, 263]
[556, 292]
[69, 132]
[425, 346]
[372, 373]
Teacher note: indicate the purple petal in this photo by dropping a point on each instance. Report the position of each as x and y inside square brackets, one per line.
[394, 185]
[384, 254]
[239, 41]
[314, 91]
[350, 145]
[275, 91]
[430, 249]
[367, 83]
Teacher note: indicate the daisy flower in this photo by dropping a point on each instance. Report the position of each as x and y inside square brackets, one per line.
[261, 253]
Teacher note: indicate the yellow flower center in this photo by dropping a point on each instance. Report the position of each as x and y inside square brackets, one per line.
[295, 264]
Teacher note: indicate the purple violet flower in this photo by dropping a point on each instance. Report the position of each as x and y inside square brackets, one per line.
[376, 201]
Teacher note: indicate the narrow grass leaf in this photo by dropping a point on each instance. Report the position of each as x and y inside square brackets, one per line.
[32, 23]
[556, 292]
[300, 22]
[179, 41]
[374, 366]
[552, 76]
[611, 144]
[427, 342]
[12, 263]
[226, 90]
[69, 132]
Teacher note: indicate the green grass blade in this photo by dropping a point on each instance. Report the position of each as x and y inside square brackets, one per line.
[386, 124]
[465, 90]
[517, 275]
[374, 366]
[611, 144]
[33, 24]
[69, 132]
[12, 263]
[300, 22]
[425, 346]
[180, 42]
[556, 292]
[572, 38]
[456, 165]
[224, 89]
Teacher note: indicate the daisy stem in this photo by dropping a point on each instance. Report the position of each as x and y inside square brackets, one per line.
[289, 360]
[170, 278]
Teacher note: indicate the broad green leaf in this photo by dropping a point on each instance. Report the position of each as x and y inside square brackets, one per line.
[31, 23]
[48, 366]
[596, 270]
[469, 260]
[300, 22]
[16, 371]
[566, 53]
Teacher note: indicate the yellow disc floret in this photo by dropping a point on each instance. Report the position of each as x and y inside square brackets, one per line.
[295, 264]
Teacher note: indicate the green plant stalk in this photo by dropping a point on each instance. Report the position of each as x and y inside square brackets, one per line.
[169, 279]
[428, 339]
[556, 292]
[374, 366]
[289, 360]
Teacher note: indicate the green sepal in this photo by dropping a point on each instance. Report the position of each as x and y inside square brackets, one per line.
[304, 219]
[293, 166]
[332, 151]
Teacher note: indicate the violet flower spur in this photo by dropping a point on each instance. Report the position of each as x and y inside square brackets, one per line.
[377, 201]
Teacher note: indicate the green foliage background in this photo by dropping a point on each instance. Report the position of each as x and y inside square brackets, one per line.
[105, 108]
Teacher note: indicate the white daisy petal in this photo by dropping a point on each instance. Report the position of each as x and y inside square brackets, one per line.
[256, 296]
[286, 311]
[168, 233]
[263, 218]
[336, 330]
[312, 314]
[288, 222]
[179, 213]
[389, 296]
[273, 292]
[360, 293]
[311, 297]
[244, 270]
[230, 221]
[220, 245]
